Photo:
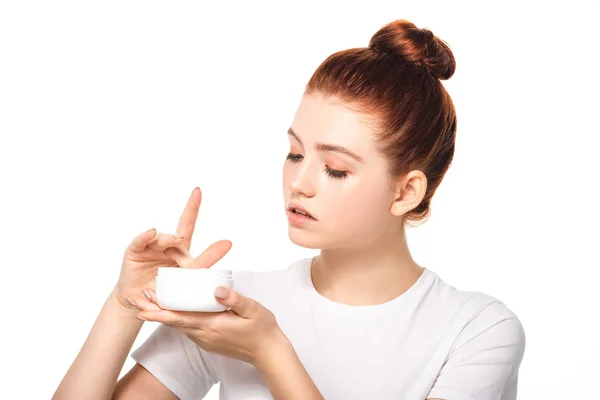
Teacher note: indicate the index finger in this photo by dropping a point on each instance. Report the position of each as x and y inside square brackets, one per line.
[187, 221]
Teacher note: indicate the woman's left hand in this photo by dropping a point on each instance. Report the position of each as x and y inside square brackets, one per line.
[248, 331]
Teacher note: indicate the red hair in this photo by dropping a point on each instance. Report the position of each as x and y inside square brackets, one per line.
[396, 82]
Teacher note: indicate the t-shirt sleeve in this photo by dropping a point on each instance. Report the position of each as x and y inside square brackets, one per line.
[485, 361]
[177, 362]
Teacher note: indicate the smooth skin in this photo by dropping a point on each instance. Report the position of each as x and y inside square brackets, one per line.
[337, 275]
[373, 234]
[94, 373]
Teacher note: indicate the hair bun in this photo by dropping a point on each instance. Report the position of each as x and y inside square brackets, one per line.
[419, 46]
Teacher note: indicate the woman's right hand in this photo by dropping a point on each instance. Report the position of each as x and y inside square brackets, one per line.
[151, 249]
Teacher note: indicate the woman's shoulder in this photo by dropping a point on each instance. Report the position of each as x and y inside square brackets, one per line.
[477, 312]
[471, 301]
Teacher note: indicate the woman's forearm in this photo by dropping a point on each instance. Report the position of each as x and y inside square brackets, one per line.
[95, 371]
[286, 377]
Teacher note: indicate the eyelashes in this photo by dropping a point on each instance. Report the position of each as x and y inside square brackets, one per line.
[294, 157]
[335, 174]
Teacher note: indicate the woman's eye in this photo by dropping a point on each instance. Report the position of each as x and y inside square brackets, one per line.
[294, 157]
[336, 174]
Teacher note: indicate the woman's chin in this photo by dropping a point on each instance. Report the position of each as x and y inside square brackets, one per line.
[308, 240]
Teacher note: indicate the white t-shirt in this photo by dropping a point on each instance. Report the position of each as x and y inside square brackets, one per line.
[433, 341]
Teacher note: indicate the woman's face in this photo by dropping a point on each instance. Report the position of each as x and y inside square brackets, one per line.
[350, 197]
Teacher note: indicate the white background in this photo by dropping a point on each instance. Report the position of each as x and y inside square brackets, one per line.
[112, 112]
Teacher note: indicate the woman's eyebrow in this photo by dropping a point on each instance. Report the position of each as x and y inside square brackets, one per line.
[329, 147]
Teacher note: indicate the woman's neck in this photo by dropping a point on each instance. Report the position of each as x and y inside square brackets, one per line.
[374, 274]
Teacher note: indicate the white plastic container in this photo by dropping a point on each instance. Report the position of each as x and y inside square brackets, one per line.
[191, 289]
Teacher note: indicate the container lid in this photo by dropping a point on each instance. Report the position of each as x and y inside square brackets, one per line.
[216, 273]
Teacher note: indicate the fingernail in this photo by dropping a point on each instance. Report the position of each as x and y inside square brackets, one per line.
[131, 302]
[140, 318]
[221, 292]
[146, 294]
[150, 230]
[178, 235]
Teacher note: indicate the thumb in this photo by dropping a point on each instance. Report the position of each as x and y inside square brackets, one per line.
[242, 306]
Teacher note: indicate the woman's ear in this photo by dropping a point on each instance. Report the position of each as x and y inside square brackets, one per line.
[410, 191]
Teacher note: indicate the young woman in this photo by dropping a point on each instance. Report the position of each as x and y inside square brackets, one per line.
[370, 143]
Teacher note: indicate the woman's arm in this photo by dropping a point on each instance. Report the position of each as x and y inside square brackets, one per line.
[94, 373]
[285, 375]
[249, 332]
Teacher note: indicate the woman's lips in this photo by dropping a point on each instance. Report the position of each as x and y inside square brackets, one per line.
[299, 209]
[299, 219]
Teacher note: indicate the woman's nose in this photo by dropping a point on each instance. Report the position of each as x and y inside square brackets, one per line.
[303, 180]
